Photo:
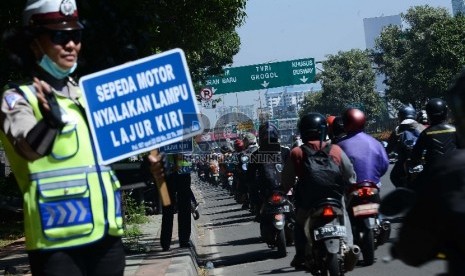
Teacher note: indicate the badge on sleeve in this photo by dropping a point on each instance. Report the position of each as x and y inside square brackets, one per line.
[11, 100]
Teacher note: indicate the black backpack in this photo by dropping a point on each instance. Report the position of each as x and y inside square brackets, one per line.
[269, 173]
[407, 140]
[322, 177]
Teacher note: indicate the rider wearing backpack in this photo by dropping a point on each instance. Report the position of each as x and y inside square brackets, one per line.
[328, 181]
[266, 165]
[401, 141]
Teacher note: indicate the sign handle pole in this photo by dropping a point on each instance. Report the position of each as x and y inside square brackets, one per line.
[162, 187]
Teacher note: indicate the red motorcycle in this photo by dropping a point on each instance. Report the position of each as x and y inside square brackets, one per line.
[368, 230]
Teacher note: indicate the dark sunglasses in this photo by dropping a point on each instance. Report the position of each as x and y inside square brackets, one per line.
[63, 37]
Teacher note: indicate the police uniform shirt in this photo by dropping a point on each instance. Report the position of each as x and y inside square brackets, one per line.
[17, 117]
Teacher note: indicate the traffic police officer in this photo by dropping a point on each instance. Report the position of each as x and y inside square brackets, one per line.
[72, 207]
[178, 180]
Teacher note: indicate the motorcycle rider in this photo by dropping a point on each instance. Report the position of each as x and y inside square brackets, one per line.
[250, 144]
[329, 121]
[262, 168]
[337, 130]
[436, 140]
[422, 118]
[226, 164]
[297, 141]
[436, 221]
[214, 168]
[239, 174]
[406, 116]
[313, 128]
[368, 156]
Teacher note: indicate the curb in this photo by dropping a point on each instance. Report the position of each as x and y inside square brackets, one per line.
[177, 261]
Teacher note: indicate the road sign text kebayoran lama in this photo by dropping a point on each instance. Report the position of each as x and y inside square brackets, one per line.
[263, 76]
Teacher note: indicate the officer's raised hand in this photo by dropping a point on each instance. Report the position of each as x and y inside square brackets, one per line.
[157, 165]
[48, 104]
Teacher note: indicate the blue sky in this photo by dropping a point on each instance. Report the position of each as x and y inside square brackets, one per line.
[292, 29]
[279, 30]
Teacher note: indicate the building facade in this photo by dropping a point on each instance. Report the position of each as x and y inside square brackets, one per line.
[284, 104]
[458, 6]
[373, 28]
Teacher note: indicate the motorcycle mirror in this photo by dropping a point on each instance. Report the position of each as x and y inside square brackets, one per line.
[397, 202]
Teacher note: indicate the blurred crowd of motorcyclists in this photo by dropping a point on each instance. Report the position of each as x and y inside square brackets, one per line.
[244, 167]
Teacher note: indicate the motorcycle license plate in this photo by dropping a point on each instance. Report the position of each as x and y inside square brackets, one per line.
[273, 210]
[329, 231]
[280, 209]
[365, 209]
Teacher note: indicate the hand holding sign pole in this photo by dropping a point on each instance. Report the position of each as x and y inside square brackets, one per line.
[156, 168]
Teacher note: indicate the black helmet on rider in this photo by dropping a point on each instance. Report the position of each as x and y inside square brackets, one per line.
[406, 112]
[268, 133]
[226, 149]
[338, 126]
[436, 110]
[313, 126]
[353, 120]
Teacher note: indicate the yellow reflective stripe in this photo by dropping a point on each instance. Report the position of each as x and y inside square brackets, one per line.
[68, 171]
[440, 131]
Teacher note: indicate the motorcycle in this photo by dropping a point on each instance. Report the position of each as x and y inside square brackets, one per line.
[195, 210]
[230, 182]
[277, 219]
[326, 251]
[214, 173]
[368, 230]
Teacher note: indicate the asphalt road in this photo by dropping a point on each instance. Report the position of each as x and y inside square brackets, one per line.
[229, 241]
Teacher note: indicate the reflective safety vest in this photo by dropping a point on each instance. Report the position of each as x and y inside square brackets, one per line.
[69, 200]
[178, 163]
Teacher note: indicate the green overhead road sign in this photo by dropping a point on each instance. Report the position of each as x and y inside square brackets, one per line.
[263, 76]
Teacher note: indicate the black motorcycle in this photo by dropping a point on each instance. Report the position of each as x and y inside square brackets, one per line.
[277, 221]
[368, 230]
[327, 253]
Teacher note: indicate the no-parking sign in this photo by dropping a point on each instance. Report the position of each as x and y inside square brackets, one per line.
[206, 94]
[141, 105]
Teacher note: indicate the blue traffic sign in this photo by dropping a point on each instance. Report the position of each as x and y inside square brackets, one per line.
[141, 105]
[183, 146]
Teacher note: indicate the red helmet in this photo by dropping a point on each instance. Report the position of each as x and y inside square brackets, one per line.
[238, 145]
[354, 120]
[330, 120]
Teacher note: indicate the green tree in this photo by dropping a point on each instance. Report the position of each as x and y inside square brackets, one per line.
[311, 103]
[420, 60]
[119, 30]
[348, 80]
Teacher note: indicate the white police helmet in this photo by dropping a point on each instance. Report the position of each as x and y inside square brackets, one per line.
[52, 14]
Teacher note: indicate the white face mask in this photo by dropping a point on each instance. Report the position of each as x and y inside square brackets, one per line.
[53, 69]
